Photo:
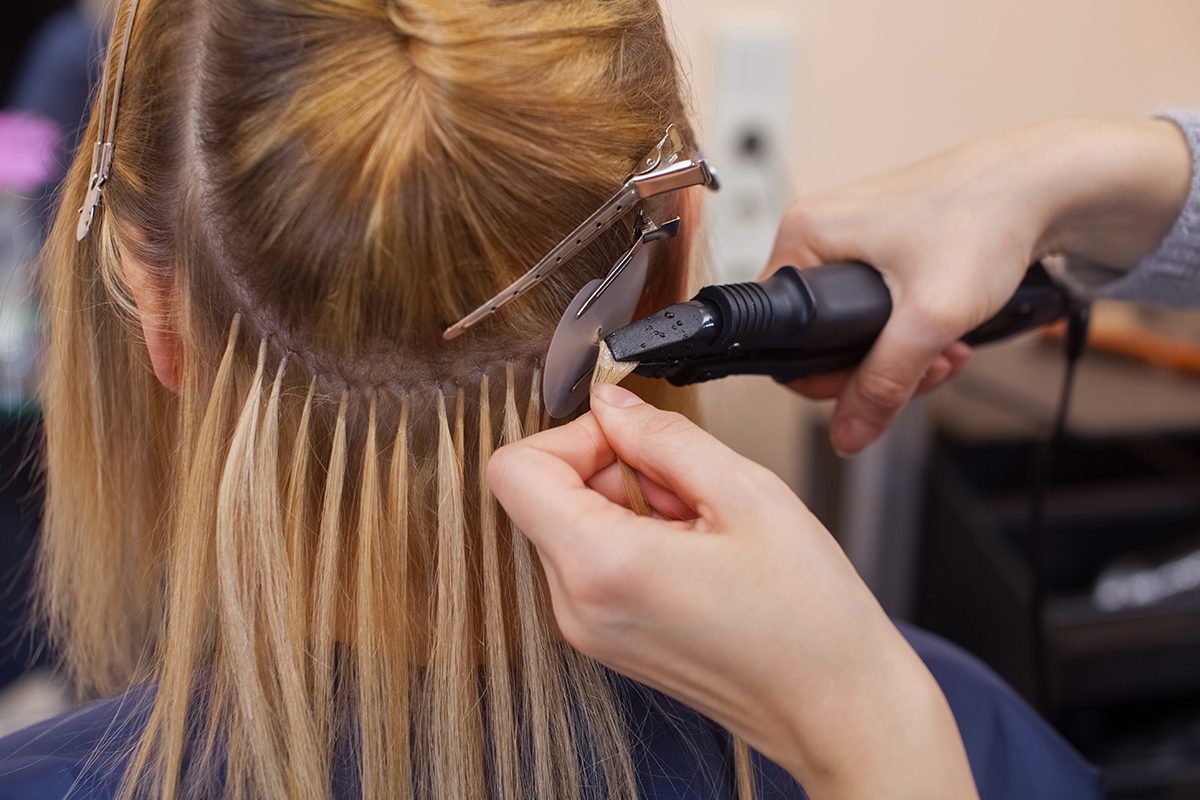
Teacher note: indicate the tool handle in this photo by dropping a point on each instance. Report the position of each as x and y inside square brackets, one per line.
[827, 318]
[836, 305]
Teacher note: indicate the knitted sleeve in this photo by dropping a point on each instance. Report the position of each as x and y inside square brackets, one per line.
[1170, 276]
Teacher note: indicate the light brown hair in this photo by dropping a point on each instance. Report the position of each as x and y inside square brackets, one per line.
[299, 550]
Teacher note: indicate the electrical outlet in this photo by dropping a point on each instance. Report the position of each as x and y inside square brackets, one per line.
[751, 132]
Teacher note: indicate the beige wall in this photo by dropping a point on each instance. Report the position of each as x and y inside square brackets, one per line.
[880, 82]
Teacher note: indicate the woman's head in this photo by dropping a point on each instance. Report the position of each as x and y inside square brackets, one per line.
[304, 193]
[351, 175]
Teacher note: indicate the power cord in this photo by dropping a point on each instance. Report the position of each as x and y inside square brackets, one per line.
[1075, 343]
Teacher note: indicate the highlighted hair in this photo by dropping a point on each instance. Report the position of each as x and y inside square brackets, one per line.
[298, 551]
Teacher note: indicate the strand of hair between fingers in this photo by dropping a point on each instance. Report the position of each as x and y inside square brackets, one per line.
[609, 370]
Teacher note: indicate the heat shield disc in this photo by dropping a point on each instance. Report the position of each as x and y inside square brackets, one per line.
[576, 343]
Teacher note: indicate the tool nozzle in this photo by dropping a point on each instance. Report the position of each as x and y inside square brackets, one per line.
[669, 335]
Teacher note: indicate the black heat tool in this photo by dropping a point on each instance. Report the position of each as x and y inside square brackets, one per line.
[799, 323]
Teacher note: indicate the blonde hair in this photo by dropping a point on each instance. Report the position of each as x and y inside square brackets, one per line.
[299, 550]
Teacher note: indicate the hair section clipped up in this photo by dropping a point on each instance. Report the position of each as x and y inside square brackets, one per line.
[298, 551]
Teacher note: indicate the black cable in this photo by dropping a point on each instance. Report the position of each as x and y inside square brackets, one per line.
[1043, 468]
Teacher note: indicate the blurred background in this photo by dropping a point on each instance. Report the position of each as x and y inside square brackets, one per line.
[798, 95]
[793, 96]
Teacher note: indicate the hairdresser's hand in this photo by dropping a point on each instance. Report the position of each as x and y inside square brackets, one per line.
[953, 236]
[734, 599]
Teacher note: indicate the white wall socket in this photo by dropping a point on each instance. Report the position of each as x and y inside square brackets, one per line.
[750, 134]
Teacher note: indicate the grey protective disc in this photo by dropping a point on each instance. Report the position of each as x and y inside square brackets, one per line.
[576, 343]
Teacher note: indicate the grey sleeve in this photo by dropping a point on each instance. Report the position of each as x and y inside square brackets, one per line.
[1170, 276]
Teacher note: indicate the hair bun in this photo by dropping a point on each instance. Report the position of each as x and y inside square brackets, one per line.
[415, 20]
[465, 22]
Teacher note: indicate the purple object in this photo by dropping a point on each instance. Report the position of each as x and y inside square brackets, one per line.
[28, 145]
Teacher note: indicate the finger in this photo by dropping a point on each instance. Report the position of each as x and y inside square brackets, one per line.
[885, 381]
[960, 355]
[540, 482]
[580, 443]
[820, 387]
[937, 374]
[662, 500]
[827, 387]
[946, 367]
[675, 453]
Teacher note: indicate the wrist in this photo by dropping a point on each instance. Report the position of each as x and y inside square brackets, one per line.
[1113, 189]
[884, 731]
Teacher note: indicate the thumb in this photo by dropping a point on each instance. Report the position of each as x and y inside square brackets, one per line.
[886, 380]
[674, 452]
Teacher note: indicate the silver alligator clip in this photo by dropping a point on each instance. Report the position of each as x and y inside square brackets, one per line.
[647, 232]
[102, 158]
[102, 154]
[669, 167]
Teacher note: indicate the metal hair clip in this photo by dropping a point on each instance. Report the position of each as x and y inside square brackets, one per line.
[603, 306]
[669, 167]
[102, 153]
[648, 232]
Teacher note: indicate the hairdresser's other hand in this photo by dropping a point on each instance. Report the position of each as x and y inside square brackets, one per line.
[953, 237]
[734, 600]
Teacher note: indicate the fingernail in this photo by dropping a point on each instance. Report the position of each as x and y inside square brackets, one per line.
[615, 396]
[851, 436]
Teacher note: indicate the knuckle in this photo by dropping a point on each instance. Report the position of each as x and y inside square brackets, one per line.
[600, 582]
[667, 425]
[747, 478]
[883, 392]
[758, 485]
[941, 321]
[939, 316]
[801, 218]
[809, 216]
[763, 479]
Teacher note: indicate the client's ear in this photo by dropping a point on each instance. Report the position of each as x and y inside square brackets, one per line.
[156, 305]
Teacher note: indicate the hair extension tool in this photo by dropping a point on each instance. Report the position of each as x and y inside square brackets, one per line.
[799, 323]
[602, 306]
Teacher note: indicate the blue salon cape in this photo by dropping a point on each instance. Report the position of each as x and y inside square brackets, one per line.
[679, 754]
